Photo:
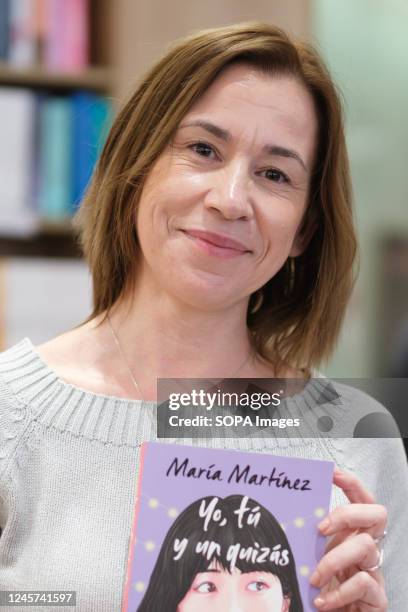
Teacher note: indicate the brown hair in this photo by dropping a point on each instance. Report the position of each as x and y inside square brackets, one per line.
[303, 305]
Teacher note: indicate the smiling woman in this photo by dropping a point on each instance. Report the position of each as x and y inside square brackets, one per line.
[244, 144]
[218, 229]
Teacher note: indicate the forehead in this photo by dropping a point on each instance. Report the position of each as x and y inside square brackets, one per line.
[254, 105]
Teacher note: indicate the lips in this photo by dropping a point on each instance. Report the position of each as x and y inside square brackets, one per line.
[217, 239]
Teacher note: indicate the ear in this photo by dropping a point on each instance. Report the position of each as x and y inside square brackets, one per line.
[302, 239]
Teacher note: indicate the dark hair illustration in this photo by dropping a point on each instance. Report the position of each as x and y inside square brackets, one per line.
[171, 579]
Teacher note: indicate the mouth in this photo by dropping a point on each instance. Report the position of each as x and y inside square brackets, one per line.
[216, 245]
[218, 240]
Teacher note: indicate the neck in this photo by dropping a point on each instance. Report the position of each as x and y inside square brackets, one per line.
[175, 340]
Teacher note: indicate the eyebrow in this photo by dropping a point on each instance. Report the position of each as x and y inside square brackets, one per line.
[225, 135]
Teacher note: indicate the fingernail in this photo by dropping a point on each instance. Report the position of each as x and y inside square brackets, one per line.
[324, 525]
[319, 602]
[315, 578]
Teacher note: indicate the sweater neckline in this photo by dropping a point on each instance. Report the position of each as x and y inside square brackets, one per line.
[55, 379]
[84, 393]
[108, 418]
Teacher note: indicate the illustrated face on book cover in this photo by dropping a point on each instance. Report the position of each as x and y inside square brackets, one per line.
[245, 562]
[236, 590]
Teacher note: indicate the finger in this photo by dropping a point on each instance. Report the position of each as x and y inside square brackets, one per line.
[352, 487]
[371, 517]
[360, 551]
[338, 539]
[360, 588]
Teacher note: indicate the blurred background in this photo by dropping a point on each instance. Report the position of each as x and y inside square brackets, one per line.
[65, 68]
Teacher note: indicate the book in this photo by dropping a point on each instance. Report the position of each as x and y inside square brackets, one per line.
[92, 116]
[55, 158]
[213, 527]
[17, 120]
[22, 49]
[4, 29]
[66, 46]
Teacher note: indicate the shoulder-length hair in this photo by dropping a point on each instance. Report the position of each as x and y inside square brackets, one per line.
[303, 305]
[171, 579]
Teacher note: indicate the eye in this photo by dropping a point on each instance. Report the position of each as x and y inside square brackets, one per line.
[202, 148]
[276, 176]
[257, 585]
[205, 587]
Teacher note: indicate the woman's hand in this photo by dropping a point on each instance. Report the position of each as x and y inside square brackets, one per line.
[345, 586]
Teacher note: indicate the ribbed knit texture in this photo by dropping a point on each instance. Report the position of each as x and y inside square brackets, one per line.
[69, 462]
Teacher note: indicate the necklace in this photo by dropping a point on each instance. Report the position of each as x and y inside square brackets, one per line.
[134, 381]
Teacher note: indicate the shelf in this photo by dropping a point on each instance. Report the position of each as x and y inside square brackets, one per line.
[95, 78]
[56, 229]
[51, 241]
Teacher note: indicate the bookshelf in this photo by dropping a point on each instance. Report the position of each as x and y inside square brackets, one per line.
[54, 238]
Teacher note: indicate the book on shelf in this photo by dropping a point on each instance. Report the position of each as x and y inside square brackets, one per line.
[48, 149]
[17, 118]
[92, 117]
[21, 33]
[214, 526]
[67, 42]
[55, 159]
[41, 297]
[53, 34]
[4, 29]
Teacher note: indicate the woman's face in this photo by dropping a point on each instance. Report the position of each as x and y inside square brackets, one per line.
[220, 591]
[238, 168]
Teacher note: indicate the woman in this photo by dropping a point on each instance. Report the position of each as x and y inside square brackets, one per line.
[226, 579]
[218, 230]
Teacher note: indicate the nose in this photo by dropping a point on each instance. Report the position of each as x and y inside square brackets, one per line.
[229, 191]
[235, 606]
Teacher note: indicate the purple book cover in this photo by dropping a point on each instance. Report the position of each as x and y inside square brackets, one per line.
[225, 530]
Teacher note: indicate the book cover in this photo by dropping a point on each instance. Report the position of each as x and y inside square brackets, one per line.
[75, 48]
[4, 29]
[217, 528]
[22, 49]
[17, 112]
[67, 39]
[91, 121]
[55, 158]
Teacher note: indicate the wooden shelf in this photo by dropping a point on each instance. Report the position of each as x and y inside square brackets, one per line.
[56, 229]
[44, 244]
[97, 78]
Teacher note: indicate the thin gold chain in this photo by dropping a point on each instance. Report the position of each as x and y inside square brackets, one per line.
[134, 381]
[116, 339]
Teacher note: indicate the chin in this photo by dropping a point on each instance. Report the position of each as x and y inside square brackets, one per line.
[203, 293]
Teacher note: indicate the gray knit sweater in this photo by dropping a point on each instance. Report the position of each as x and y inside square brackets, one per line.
[69, 460]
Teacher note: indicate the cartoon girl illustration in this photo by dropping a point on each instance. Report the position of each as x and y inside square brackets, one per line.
[224, 562]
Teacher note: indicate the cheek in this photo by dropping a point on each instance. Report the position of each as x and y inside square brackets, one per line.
[278, 242]
[194, 603]
[269, 601]
[279, 230]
